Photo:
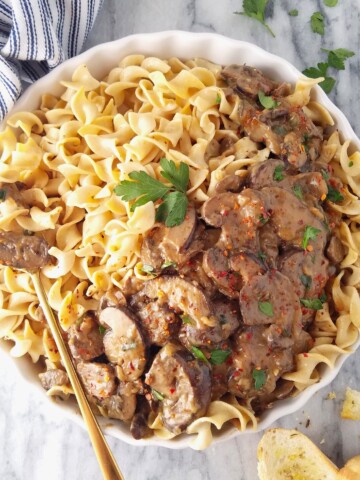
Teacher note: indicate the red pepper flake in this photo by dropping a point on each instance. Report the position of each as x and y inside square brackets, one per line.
[172, 390]
[249, 336]
[132, 366]
[305, 355]
[222, 274]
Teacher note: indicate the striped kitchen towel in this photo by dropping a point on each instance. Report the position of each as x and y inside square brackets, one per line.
[37, 35]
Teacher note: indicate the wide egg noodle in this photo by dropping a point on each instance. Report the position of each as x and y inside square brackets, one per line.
[73, 150]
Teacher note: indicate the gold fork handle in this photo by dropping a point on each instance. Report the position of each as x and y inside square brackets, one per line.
[107, 462]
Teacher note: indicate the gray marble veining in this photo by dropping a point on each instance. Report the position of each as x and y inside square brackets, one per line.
[35, 444]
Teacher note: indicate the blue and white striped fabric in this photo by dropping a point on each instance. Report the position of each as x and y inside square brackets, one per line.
[37, 35]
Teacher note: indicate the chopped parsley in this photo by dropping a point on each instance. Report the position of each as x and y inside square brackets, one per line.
[334, 195]
[267, 102]
[223, 319]
[218, 356]
[147, 269]
[310, 234]
[261, 255]
[351, 163]
[325, 174]
[278, 173]
[256, 9]
[218, 98]
[306, 280]
[199, 354]
[263, 219]
[331, 3]
[2, 195]
[298, 192]
[323, 297]
[317, 23]
[143, 189]
[266, 308]
[168, 264]
[259, 377]
[157, 395]
[102, 329]
[312, 303]
[294, 12]
[186, 319]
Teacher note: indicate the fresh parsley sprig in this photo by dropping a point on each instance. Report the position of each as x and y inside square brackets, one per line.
[143, 189]
[310, 234]
[256, 9]
[336, 59]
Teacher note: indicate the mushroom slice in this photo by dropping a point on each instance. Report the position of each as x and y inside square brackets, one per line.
[124, 342]
[247, 264]
[182, 385]
[98, 379]
[114, 297]
[268, 299]
[230, 183]
[163, 244]
[216, 266]
[85, 340]
[247, 80]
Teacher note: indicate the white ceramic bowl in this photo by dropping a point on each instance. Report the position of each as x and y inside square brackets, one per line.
[100, 60]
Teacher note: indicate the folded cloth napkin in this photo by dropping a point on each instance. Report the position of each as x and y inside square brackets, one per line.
[37, 35]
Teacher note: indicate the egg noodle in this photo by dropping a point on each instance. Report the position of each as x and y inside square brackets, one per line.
[73, 151]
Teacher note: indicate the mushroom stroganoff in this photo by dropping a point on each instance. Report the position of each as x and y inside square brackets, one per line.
[202, 224]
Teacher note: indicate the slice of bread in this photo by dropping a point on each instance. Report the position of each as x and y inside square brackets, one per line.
[290, 455]
[351, 471]
[351, 405]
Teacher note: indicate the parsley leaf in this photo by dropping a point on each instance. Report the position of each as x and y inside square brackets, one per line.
[102, 330]
[310, 234]
[298, 192]
[328, 84]
[278, 173]
[325, 174]
[263, 220]
[294, 12]
[157, 395]
[256, 9]
[199, 354]
[323, 297]
[331, 3]
[259, 377]
[217, 357]
[267, 102]
[317, 23]
[266, 308]
[178, 176]
[172, 211]
[306, 280]
[336, 58]
[143, 187]
[334, 195]
[218, 98]
[312, 303]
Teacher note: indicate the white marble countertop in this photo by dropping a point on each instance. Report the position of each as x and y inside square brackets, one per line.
[35, 444]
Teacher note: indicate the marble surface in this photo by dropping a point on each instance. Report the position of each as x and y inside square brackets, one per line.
[35, 444]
